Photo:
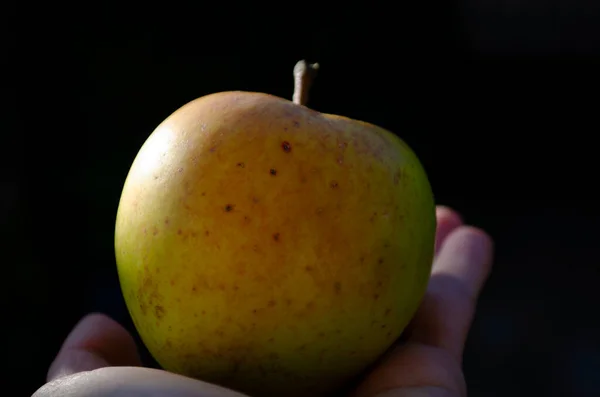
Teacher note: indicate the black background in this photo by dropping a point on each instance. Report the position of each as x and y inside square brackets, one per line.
[498, 99]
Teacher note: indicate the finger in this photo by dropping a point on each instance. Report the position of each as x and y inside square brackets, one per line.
[96, 341]
[414, 370]
[459, 273]
[131, 382]
[447, 221]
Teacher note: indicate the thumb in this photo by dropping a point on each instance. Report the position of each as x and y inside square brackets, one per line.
[131, 382]
[97, 341]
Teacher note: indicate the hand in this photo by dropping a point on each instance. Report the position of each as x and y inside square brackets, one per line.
[99, 358]
[429, 363]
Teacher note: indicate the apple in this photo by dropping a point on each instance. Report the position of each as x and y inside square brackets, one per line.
[270, 248]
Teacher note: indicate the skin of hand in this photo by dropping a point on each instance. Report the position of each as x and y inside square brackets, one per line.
[99, 357]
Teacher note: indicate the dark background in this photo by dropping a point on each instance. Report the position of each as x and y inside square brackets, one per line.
[498, 98]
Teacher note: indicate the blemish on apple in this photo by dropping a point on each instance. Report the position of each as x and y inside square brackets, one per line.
[397, 176]
[337, 287]
[159, 311]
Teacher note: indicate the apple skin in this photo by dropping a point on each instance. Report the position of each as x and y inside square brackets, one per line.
[270, 248]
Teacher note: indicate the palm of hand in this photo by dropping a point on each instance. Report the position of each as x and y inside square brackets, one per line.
[99, 357]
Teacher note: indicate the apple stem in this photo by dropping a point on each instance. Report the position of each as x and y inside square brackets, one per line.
[304, 74]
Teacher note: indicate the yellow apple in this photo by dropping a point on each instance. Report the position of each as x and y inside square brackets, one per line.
[267, 247]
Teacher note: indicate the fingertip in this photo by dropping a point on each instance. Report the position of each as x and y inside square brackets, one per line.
[477, 233]
[98, 330]
[447, 221]
[477, 239]
[467, 256]
[96, 341]
[446, 214]
[98, 316]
